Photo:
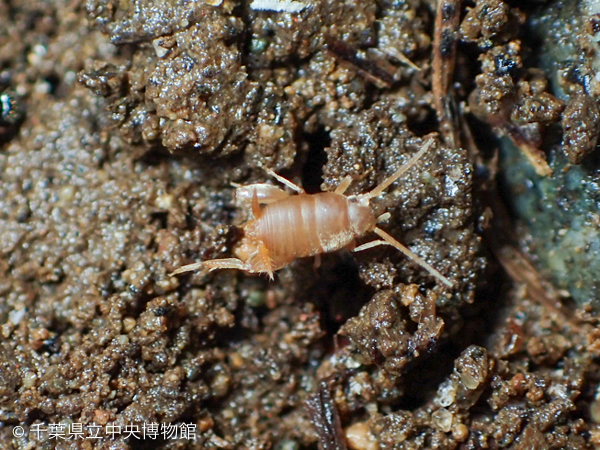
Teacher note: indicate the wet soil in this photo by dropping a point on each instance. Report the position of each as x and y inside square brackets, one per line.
[124, 129]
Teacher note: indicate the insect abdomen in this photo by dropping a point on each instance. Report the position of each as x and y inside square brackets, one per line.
[305, 225]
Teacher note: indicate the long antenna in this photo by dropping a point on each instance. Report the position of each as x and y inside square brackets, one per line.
[386, 183]
[394, 243]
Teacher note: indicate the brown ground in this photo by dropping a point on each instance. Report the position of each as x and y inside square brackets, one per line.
[129, 124]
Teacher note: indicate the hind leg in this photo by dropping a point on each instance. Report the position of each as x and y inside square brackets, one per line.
[214, 264]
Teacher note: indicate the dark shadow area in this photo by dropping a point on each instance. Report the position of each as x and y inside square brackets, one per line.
[312, 169]
[335, 288]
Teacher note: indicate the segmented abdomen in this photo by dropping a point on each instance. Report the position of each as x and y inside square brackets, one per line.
[305, 225]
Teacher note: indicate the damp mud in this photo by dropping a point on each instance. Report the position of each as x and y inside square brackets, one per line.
[125, 128]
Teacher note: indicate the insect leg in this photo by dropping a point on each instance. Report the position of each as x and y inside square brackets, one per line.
[265, 260]
[285, 181]
[345, 184]
[225, 263]
[266, 193]
[384, 217]
[214, 264]
[256, 212]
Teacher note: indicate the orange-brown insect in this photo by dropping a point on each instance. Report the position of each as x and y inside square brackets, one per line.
[287, 227]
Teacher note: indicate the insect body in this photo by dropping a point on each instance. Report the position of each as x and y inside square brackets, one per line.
[302, 225]
[287, 227]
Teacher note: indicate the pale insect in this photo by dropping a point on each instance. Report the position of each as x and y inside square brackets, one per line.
[285, 227]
